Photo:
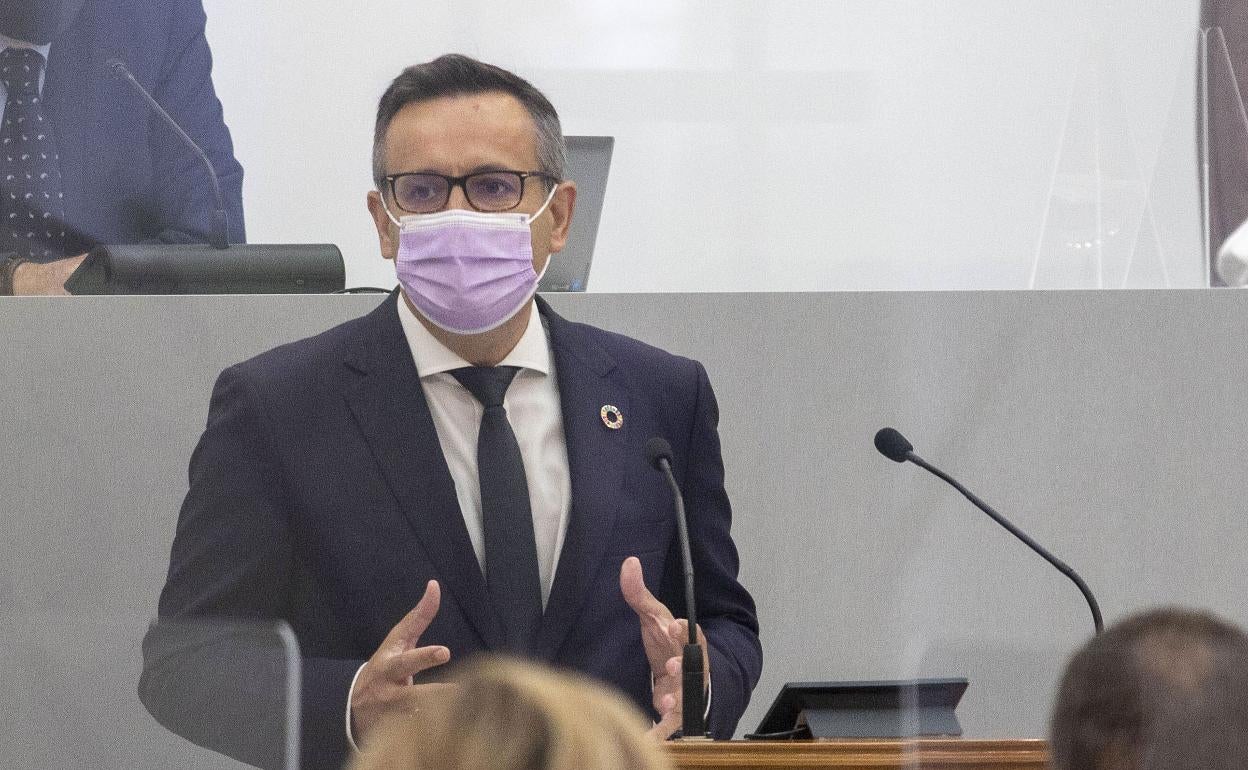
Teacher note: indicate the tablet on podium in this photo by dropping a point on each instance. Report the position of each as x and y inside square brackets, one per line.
[873, 709]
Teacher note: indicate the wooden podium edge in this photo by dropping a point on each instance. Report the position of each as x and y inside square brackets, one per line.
[1012, 754]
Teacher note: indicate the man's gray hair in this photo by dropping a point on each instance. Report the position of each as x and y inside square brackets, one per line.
[459, 75]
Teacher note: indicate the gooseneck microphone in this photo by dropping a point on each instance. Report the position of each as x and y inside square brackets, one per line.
[197, 268]
[693, 720]
[895, 447]
[219, 237]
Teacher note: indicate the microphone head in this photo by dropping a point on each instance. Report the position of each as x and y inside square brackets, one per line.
[117, 68]
[893, 445]
[658, 449]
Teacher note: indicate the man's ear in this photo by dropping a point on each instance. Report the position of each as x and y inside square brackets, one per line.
[387, 233]
[561, 208]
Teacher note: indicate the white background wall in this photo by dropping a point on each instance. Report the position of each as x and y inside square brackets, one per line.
[797, 145]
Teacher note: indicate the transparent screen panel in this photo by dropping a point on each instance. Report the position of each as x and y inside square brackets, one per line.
[76, 699]
[97, 431]
[813, 154]
[1113, 216]
[230, 686]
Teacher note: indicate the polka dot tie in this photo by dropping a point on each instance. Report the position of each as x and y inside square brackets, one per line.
[32, 206]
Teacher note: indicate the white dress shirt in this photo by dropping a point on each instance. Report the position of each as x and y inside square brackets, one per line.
[8, 42]
[532, 404]
[536, 416]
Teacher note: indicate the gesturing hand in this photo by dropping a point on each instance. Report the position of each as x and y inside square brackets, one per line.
[384, 685]
[663, 637]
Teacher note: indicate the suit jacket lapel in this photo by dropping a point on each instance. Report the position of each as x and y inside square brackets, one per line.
[390, 408]
[597, 474]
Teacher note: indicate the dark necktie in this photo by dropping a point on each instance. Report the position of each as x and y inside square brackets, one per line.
[33, 205]
[510, 552]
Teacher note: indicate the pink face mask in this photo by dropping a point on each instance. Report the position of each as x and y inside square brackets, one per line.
[467, 271]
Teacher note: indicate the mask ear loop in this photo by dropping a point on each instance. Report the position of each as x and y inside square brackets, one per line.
[549, 198]
[387, 209]
[535, 215]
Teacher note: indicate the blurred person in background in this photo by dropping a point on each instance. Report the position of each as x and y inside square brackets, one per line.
[1163, 690]
[1227, 61]
[507, 715]
[84, 160]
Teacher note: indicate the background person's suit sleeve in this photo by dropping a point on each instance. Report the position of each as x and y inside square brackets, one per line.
[232, 557]
[184, 87]
[726, 611]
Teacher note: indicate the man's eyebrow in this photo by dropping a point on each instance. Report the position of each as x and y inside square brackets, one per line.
[478, 169]
[490, 167]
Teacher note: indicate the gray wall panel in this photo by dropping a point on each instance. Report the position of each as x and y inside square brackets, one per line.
[1108, 424]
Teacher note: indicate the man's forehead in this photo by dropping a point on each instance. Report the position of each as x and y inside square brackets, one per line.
[458, 134]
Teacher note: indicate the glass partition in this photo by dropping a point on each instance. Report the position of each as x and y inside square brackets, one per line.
[227, 685]
[84, 695]
[840, 209]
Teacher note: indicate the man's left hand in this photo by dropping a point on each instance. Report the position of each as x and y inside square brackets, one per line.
[663, 637]
[33, 278]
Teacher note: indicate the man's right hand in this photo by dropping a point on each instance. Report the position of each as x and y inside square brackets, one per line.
[384, 686]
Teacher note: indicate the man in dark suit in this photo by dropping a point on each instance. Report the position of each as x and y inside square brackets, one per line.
[365, 487]
[109, 170]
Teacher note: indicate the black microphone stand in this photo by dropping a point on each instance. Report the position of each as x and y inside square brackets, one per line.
[693, 708]
[1061, 566]
[895, 447]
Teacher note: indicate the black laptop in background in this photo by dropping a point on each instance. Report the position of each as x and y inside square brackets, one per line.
[589, 160]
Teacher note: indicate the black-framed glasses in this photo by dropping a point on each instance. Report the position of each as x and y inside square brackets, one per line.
[420, 192]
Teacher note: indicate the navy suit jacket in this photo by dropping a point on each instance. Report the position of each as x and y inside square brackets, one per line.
[127, 176]
[319, 495]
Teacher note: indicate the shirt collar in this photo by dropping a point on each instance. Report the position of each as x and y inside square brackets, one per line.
[432, 357]
[9, 42]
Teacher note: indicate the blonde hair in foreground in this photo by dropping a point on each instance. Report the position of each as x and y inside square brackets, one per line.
[508, 715]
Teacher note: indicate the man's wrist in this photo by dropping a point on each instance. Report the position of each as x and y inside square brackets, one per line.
[8, 274]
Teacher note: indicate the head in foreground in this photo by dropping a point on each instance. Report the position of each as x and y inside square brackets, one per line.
[1167, 688]
[509, 715]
